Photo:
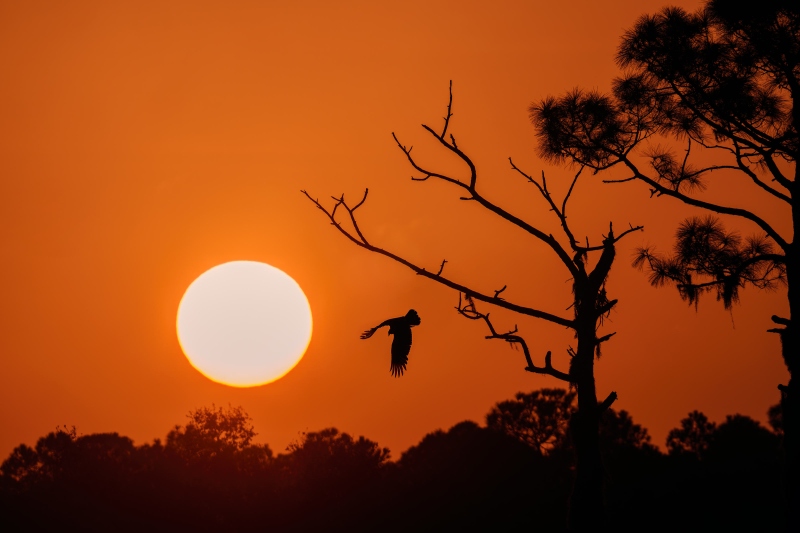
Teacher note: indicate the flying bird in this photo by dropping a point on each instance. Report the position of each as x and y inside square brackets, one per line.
[400, 327]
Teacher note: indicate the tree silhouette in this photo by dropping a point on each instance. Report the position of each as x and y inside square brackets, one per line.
[475, 479]
[329, 453]
[539, 418]
[44, 461]
[590, 303]
[737, 438]
[723, 82]
[339, 478]
[775, 419]
[212, 432]
[87, 481]
[693, 437]
[465, 478]
[617, 430]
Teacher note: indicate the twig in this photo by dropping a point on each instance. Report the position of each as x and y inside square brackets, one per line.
[449, 113]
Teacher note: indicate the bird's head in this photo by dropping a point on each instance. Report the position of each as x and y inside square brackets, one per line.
[413, 318]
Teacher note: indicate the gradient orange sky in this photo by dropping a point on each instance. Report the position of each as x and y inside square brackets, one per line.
[145, 142]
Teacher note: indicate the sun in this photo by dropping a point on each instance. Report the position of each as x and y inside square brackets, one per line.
[244, 323]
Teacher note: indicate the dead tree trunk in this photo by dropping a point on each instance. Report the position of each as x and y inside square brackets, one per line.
[586, 506]
[586, 510]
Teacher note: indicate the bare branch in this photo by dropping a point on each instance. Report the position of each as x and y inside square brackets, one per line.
[776, 172]
[542, 188]
[466, 308]
[623, 180]
[561, 213]
[442, 268]
[475, 195]
[614, 240]
[686, 157]
[780, 320]
[360, 240]
[604, 338]
[569, 191]
[364, 199]
[743, 213]
[449, 113]
[752, 175]
[631, 229]
[611, 398]
[426, 173]
[549, 370]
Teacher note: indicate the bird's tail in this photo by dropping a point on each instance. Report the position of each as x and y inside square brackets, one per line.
[397, 370]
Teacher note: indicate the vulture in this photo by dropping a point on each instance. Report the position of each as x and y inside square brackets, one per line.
[400, 327]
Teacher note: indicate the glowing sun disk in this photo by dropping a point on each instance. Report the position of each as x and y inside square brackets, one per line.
[244, 323]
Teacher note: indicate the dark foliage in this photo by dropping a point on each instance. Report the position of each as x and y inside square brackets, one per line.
[468, 478]
[707, 258]
[721, 81]
[472, 478]
[693, 437]
[775, 417]
[538, 419]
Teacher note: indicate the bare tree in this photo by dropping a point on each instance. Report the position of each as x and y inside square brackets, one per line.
[724, 82]
[590, 303]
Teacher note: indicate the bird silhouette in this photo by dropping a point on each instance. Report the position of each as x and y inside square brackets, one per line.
[400, 327]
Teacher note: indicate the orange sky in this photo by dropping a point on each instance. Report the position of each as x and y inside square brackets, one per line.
[145, 142]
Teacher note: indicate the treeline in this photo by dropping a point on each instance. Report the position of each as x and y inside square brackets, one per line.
[516, 472]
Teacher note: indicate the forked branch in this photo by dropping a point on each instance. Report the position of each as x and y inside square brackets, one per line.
[466, 307]
[561, 212]
[470, 186]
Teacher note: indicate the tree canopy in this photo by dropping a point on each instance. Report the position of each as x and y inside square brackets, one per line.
[721, 81]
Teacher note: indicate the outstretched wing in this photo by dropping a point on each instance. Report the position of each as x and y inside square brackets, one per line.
[401, 345]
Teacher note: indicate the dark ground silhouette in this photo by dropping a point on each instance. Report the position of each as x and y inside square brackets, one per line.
[516, 473]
